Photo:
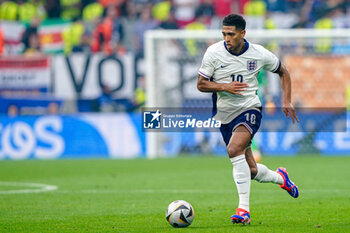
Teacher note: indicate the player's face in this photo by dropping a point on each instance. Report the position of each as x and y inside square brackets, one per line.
[233, 38]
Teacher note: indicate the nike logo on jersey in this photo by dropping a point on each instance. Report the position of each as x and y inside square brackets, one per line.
[223, 66]
[241, 182]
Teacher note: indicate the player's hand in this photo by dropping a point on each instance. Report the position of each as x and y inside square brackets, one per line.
[289, 111]
[236, 87]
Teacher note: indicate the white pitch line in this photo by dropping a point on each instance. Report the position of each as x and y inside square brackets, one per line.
[33, 187]
[98, 191]
[151, 191]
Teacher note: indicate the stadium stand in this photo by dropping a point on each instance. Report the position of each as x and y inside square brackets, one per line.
[307, 73]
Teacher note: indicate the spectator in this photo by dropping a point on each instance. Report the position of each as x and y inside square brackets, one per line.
[73, 37]
[40, 9]
[26, 11]
[270, 23]
[92, 15]
[12, 111]
[318, 8]
[34, 46]
[276, 5]
[185, 11]
[170, 23]
[8, 10]
[255, 8]
[161, 11]
[92, 11]
[255, 12]
[129, 22]
[30, 37]
[109, 33]
[191, 44]
[70, 9]
[146, 23]
[337, 15]
[294, 5]
[53, 108]
[198, 24]
[225, 7]
[105, 102]
[142, 4]
[323, 45]
[206, 9]
[53, 8]
[140, 94]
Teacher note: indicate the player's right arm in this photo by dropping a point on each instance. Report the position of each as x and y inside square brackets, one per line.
[205, 85]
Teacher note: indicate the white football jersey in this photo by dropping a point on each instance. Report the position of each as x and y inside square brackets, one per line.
[221, 66]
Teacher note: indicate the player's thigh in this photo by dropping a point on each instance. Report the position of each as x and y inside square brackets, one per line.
[239, 140]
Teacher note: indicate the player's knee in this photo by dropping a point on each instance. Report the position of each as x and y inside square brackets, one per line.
[235, 150]
[232, 151]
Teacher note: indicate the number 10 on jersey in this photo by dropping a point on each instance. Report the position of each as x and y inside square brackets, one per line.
[238, 78]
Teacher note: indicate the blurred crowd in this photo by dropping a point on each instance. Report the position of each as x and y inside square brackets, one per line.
[119, 25]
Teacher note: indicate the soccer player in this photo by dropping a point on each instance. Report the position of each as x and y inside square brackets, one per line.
[229, 69]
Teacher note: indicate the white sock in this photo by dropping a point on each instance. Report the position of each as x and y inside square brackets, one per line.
[241, 176]
[265, 175]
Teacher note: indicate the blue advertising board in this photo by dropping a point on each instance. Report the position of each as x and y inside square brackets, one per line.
[76, 136]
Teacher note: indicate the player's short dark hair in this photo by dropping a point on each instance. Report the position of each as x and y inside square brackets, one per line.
[234, 20]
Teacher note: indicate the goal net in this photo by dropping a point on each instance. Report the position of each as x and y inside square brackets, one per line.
[318, 61]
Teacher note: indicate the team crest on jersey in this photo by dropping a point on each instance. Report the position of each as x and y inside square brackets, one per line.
[252, 65]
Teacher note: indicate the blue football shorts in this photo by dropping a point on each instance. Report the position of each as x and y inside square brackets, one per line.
[251, 119]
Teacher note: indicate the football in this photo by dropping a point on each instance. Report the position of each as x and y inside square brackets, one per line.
[179, 213]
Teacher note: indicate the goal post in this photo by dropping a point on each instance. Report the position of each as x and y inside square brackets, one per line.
[173, 57]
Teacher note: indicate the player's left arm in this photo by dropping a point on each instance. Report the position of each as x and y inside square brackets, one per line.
[286, 82]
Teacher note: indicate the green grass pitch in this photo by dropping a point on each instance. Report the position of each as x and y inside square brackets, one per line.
[132, 195]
